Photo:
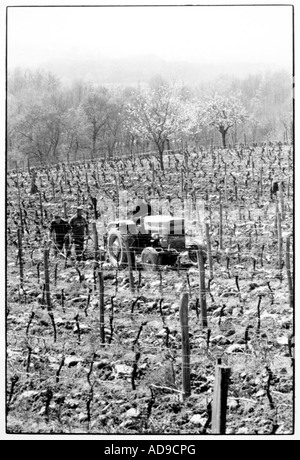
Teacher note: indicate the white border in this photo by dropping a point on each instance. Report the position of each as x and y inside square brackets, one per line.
[111, 438]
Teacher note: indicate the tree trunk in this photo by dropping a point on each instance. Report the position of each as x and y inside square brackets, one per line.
[161, 157]
[76, 150]
[95, 132]
[94, 146]
[223, 133]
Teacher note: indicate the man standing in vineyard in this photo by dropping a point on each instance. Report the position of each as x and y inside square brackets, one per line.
[79, 228]
[61, 229]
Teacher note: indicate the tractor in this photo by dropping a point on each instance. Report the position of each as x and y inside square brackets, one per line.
[158, 240]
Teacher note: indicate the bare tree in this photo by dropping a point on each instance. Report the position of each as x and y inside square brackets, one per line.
[223, 113]
[94, 106]
[155, 114]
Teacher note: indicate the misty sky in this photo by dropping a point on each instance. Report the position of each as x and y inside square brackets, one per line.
[217, 34]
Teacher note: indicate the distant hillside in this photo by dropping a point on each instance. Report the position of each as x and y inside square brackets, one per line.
[130, 71]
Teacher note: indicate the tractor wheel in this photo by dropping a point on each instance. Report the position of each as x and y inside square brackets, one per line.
[116, 249]
[193, 254]
[149, 259]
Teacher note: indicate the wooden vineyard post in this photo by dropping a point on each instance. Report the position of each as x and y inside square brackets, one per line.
[47, 291]
[101, 305]
[19, 198]
[96, 243]
[20, 257]
[41, 208]
[129, 261]
[202, 290]
[47, 282]
[225, 182]
[219, 406]
[183, 315]
[288, 271]
[117, 182]
[211, 273]
[279, 233]
[221, 226]
[281, 201]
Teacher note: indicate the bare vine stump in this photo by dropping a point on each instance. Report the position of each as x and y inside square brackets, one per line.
[20, 255]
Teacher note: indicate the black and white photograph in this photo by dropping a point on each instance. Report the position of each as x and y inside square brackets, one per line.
[149, 221]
